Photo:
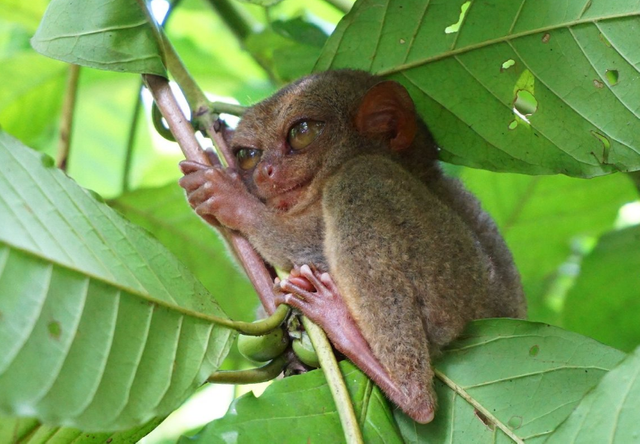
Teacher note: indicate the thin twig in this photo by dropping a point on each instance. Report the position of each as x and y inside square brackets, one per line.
[265, 373]
[66, 120]
[126, 173]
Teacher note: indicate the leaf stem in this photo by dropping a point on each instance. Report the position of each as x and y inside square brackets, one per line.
[66, 120]
[479, 407]
[253, 376]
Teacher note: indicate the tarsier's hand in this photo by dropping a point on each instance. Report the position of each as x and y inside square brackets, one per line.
[218, 195]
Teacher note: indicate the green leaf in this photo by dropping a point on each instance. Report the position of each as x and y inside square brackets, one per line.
[526, 376]
[607, 291]
[101, 328]
[466, 83]
[609, 413]
[166, 214]
[113, 35]
[30, 431]
[540, 216]
[301, 409]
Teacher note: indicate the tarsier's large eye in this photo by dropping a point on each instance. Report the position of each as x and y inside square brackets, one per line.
[248, 157]
[303, 133]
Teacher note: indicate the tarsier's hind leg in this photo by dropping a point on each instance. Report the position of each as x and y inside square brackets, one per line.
[318, 297]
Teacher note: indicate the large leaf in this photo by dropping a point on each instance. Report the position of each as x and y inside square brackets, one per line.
[101, 328]
[523, 376]
[166, 214]
[607, 291]
[576, 63]
[113, 35]
[610, 412]
[301, 409]
[527, 377]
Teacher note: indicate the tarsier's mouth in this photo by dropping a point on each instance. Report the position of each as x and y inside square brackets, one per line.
[287, 198]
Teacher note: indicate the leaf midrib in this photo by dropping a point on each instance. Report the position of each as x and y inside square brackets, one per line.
[507, 38]
[146, 296]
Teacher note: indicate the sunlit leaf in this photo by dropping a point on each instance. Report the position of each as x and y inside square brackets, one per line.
[31, 94]
[113, 35]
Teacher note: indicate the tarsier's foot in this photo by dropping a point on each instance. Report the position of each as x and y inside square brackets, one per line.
[316, 296]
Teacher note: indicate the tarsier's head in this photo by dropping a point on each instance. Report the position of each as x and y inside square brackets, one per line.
[287, 145]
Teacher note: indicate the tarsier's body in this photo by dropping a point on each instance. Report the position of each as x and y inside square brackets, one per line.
[342, 175]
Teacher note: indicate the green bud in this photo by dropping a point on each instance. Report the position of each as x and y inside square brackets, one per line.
[263, 348]
[303, 348]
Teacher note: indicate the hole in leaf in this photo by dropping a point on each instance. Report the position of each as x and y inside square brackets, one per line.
[612, 76]
[456, 26]
[533, 351]
[508, 64]
[486, 421]
[606, 146]
[525, 104]
[546, 37]
[605, 40]
[513, 124]
[597, 83]
[54, 329]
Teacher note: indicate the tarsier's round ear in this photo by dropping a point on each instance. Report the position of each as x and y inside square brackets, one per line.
[387, 110]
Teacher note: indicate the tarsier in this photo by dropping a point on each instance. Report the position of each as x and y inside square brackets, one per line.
[338, 181]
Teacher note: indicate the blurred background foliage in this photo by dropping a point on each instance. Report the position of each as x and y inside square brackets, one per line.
[575, 241]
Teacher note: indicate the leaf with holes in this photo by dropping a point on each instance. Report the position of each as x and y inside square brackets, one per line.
[101, 328]
[530, 87]
[512, 376]
[609, 413]
[114, 35]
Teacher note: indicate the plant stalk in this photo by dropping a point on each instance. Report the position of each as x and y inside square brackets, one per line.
[66, 120]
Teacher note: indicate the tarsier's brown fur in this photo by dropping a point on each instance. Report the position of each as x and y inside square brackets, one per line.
[411, 252]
